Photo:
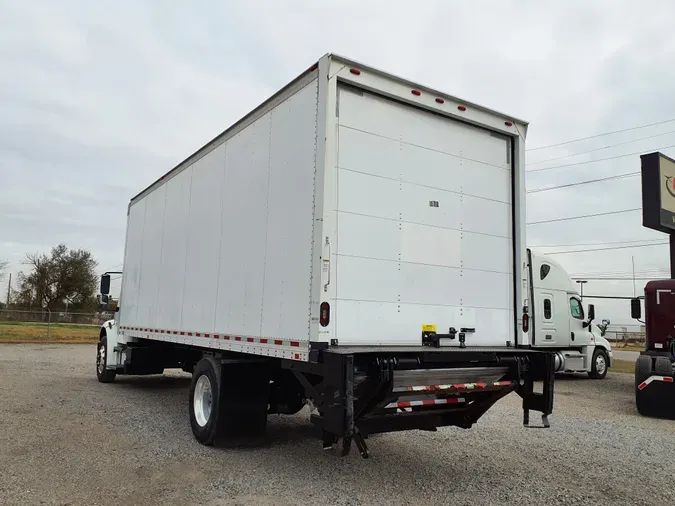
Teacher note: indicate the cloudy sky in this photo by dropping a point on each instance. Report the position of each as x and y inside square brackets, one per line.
[98, 99]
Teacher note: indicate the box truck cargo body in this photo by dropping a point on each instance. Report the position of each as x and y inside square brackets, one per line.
[355, 233]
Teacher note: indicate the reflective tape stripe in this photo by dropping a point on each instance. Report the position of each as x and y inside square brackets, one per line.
[254, 340]
[425, 402]
[458, 386]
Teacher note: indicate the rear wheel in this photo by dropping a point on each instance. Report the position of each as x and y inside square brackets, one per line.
[228, 403]
[103, 374]
[599, 364]
[663, 366]
[643, 370]
[205, 400]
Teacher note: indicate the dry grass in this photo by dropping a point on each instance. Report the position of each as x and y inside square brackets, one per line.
[622, 366]
[629, 347]
[15, 332]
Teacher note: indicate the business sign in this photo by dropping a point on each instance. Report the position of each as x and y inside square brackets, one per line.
[658, 192]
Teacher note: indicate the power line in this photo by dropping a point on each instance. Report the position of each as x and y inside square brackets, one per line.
[593, 243]
[600, 135]
[606, 249]
[598, 160]
[584, 216]
[618, 176]
[600, 149]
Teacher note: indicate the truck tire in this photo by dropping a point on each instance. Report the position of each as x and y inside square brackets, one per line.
[204, 405]
[599, 364]
[103, 374]
[643, 370]
[663, 366]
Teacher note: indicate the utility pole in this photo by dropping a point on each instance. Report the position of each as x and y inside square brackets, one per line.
[632, 259]
[9, 289]
[582, 282]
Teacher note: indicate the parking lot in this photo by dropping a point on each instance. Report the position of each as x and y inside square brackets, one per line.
[67, 439]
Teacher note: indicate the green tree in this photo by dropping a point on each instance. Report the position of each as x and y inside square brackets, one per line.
[65, 277]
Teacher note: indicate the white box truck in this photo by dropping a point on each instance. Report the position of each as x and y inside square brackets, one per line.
[356, 244]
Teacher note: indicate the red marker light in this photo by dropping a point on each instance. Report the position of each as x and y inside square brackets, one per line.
[440, 101]
[324, 317]
[314, 67]
[508, 123]
[461, 108]
[416, 92]
[356, 72]
[526, 323]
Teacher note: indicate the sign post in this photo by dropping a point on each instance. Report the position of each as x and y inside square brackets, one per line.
[658, 197]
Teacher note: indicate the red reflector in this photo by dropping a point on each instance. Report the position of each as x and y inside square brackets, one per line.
[667, 379]
[249, 339]
[461, 108]
[237, 338]
[356, 72]
[642, 385]
[263, 341]
[278, 342]
[440, 101]
[508, 123]
[295, 344]
[526, 323]
[416, 92]
[324, 317]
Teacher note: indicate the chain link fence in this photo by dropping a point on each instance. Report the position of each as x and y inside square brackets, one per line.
[53, 317]
[621, 337]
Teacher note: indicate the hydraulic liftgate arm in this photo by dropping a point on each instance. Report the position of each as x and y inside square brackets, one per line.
[543, 369]
[346, 407]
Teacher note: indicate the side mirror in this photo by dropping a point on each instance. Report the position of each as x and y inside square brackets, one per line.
[591, 313]
[105, 284]
[635, 309]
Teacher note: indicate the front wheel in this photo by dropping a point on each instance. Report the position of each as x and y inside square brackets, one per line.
[599, 364]
[103, 374]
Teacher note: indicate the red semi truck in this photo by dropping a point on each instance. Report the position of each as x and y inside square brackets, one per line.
[654, 379]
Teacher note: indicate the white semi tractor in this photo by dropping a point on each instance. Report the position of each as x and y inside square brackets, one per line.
[355, 244]
[559, 323]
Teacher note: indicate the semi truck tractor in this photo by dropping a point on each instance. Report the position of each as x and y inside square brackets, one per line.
[654, 378]
[354, 246]
[559, 322]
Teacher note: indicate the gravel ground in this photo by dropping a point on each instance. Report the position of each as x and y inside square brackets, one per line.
[67, 439]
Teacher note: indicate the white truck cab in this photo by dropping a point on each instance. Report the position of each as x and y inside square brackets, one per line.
[560, 323]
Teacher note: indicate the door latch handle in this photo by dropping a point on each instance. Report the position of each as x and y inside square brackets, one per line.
[572, 336]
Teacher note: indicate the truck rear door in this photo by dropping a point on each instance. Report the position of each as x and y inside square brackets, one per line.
[425, 232]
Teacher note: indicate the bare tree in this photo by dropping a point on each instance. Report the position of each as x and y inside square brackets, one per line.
[64, 276]
[3, 267]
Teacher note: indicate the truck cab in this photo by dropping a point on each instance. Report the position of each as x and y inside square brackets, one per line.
[560, 323]
[654, 376]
